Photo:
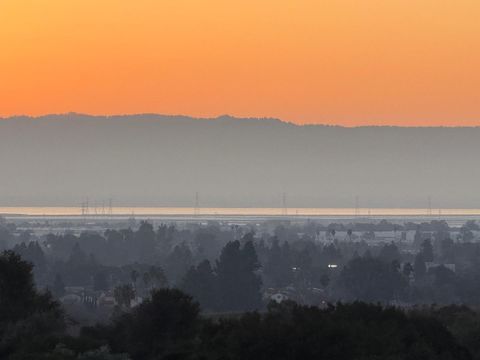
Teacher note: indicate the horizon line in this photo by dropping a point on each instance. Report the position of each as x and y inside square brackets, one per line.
[233, 117]
[7, 211]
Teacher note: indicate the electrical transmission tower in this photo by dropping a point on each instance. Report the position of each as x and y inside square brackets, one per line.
[196, 209]
[284, 205]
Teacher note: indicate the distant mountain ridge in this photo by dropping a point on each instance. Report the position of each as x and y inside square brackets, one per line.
[161, 160]
[225, 117]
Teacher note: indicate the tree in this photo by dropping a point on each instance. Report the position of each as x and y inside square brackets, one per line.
[178, 262]
[443, 276]
[146, 277]
[419, 267]
[18, 297]
[369, 235]
[145, 241]
[330, 254]
[58, 286]
[134, 277]
[471, 225]
[157, 277]
[417, 238]
[389, 253]
[324, 280]
[27, 318]
[427, 250]
[32, 253]
[5, 234]
[207, 243]
[288, 331]
[466, 234]
[201, 283]
[371, 280]
[78, 269]
[332, 233]
[238, 284]
[163, 326]
[77, 257]
[116, 243]
[124, 294]
[407, 269]
[447, 250]
[250, 258]
[278, 267]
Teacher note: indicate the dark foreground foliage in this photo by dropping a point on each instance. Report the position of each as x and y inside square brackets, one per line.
[354, 331]
[169, 325]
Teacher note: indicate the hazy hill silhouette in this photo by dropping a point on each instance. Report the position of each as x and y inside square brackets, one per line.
[164, 160]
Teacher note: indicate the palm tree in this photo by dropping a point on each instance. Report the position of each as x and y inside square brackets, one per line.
[349, 233]
[134, 277]
[147, 279]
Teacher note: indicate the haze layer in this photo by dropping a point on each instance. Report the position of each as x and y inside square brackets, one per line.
[150, 160]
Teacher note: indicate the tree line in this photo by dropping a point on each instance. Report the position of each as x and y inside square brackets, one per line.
[169, 325]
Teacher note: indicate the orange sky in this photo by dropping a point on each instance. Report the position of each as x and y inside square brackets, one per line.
[350, 62]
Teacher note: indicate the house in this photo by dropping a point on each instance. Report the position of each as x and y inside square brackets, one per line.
[106, 300]
[432, 265]
[70, 299]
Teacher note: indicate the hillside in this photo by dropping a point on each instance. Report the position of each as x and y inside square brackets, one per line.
[157, 160]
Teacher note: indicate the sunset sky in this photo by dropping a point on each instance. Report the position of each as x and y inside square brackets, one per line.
[349, 62]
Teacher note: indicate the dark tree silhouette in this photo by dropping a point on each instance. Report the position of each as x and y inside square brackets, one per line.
[201, 283]
[238, 283]
[372, 280]
[27, 318]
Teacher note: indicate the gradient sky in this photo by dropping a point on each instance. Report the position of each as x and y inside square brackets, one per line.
[350, 62]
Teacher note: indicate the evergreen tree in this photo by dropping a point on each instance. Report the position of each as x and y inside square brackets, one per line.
[145, 239]
[178, 263]
[389, 253]
[124, 294]
[371, 280]
[419, 267]
[407, 269]
[58, 286]
[157, 277]
[427, 250]
[278, 268]
[238, 284]
[200, 282]
[28, 319]
[161, 327]
[77, 258]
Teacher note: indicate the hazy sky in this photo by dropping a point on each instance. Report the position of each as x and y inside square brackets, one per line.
[352, 62]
